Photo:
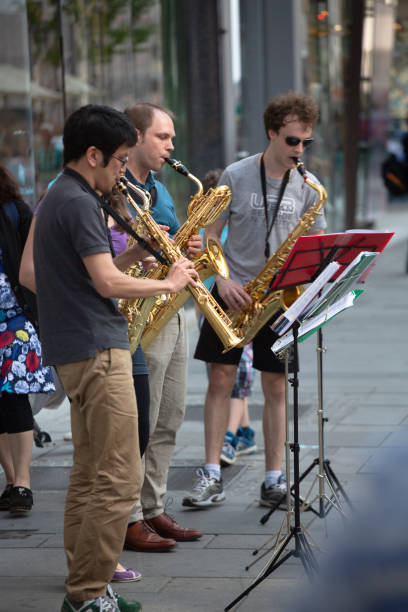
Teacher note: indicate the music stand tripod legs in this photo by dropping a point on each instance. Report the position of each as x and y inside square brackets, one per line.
[325, 473]
[302, 548]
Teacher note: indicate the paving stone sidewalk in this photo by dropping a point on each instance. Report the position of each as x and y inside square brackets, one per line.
[365, 390]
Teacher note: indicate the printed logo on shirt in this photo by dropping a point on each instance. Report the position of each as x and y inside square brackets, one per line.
[286, 213]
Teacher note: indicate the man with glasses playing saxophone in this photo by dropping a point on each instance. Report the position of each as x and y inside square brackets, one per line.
[269, 197]
[150, 527]
[84, 335]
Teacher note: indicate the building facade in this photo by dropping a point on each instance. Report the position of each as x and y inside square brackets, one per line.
[215, 64]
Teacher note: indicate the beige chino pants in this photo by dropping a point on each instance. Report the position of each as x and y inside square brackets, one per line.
[106, 475]
[166, 360]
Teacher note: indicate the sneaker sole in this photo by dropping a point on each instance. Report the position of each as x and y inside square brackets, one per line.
[247, 451]
[211, 501]
[19, 511]
[281, 503]
[227, 461]
[122, 580]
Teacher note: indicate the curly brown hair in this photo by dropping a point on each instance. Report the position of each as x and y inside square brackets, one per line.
[303, 107]
[9, 191]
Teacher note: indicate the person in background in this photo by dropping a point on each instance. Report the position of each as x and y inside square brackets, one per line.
[21, 369]
[239, 438]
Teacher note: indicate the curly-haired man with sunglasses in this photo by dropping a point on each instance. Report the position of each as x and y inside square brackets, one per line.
[268, 198]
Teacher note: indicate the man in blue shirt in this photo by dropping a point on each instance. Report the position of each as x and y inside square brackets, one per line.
[150, 528]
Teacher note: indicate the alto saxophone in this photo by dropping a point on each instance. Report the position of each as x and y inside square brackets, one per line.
[266, 303]
[202, 211]
[139, 309]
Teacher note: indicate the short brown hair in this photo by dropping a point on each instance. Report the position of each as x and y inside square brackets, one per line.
[141, 114]
[303, 107]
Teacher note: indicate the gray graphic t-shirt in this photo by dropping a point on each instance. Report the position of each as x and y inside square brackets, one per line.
[245, 244]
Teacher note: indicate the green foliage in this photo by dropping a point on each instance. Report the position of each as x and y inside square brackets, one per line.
[105, 27]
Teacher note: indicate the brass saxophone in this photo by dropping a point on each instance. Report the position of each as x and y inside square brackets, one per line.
[202, 211]
[139, 309]
[266, 303]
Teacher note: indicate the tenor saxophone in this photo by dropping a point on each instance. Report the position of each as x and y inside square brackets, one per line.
[266, 303]
[139, 309]
[202, 211]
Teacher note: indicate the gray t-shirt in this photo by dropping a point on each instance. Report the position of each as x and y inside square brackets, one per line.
[245, 244]
[75, 320]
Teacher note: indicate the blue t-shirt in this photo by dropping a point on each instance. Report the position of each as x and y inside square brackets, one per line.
[163, 211]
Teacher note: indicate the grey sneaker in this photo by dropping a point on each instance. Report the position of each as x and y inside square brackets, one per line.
[207, 491]
[275, 495]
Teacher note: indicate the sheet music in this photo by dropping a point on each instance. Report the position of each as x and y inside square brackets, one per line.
[292, 313]
[311, 325]
[344, 283]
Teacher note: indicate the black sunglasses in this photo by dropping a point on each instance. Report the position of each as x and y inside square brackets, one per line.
[293, 141]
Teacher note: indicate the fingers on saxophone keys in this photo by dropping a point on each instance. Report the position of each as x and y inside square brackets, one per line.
[189, 270]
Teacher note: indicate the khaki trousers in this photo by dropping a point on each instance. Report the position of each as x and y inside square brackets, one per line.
[166, 359]
[106, 474]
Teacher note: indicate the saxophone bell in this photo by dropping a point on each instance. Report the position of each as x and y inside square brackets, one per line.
[211, 260]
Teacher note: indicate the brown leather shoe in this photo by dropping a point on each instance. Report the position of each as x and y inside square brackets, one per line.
[140, 536]
[167, 527]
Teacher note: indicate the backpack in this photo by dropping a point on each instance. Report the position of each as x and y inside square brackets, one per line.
[395, 175]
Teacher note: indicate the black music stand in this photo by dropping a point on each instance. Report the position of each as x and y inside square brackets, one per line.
[302, 548]
[309, 256]
[295, 267]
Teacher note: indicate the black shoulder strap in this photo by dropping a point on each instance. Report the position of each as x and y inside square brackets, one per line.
[129, 230]
[283, 184]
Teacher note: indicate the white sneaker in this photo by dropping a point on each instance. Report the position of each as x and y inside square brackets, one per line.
[207, 490]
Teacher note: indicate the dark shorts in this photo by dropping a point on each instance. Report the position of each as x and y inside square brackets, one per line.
[210, 349]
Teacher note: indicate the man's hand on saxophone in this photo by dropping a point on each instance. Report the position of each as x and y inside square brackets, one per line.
[180, 274]
[233, 294]
[194, 246]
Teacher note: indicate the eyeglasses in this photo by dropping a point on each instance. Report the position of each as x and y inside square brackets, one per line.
[293, 141]
[123, 161]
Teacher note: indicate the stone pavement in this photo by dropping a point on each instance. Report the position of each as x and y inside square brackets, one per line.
[365, 390]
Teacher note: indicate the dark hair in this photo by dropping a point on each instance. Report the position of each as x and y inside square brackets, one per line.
[9, 191]
[96, 125]
[117, 202]
[303, 107]
[141, 114]
[211, 178]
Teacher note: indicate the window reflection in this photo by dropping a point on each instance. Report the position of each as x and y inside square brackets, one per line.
[112, 55]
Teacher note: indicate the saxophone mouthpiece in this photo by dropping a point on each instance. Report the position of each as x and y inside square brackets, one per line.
[299, 165]
[177, 165]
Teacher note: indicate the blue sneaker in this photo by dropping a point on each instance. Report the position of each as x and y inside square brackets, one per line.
[228, 449]
[245, 441]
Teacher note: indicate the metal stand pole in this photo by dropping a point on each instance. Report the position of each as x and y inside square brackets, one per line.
[325, 472]
[302, 548]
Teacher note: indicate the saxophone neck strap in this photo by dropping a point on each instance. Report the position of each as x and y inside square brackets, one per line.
[282, 188]
[129, 230]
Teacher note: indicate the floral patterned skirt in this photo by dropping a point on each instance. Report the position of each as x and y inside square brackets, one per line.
[21, 368]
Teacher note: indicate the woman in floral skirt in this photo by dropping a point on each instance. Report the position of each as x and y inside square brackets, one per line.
[21, 370]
